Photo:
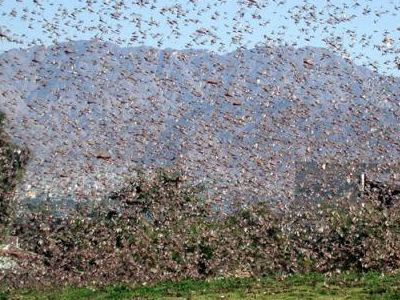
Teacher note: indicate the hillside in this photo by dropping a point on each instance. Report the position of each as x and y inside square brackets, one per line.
[92, 112]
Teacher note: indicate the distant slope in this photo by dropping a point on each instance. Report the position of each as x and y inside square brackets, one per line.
[91, 111]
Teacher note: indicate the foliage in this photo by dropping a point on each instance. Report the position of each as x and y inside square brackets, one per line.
[160, 228]
[12, 161]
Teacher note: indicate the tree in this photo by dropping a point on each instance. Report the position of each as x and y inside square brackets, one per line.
[12, 162]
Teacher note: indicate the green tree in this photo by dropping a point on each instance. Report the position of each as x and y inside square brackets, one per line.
[12, 162]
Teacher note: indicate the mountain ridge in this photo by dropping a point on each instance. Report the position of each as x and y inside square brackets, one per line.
[92, 112]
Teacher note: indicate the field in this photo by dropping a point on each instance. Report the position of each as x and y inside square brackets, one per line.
[313, 286]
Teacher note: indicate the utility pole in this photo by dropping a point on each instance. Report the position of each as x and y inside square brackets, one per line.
[362, 182]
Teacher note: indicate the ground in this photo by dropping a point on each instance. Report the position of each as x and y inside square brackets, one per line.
[313, 286]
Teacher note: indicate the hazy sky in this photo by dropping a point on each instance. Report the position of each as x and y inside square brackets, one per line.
[229, 23]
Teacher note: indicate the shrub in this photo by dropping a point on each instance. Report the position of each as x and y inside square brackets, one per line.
[160, 228]
[12, 161]
[359, 236]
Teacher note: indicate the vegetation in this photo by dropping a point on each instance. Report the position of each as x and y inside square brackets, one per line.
[159, 228]
[311, 286]
[12, 161]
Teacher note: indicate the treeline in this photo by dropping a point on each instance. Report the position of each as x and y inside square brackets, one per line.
[162, 228]
[12, 162]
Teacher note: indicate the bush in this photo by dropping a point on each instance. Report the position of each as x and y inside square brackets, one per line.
[359, 236]
[147, 235]
[160, 228]
[12, 161]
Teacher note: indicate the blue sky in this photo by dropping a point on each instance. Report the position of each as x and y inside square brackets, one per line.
[223, 19]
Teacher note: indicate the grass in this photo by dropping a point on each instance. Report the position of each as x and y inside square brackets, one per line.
[313, 286]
